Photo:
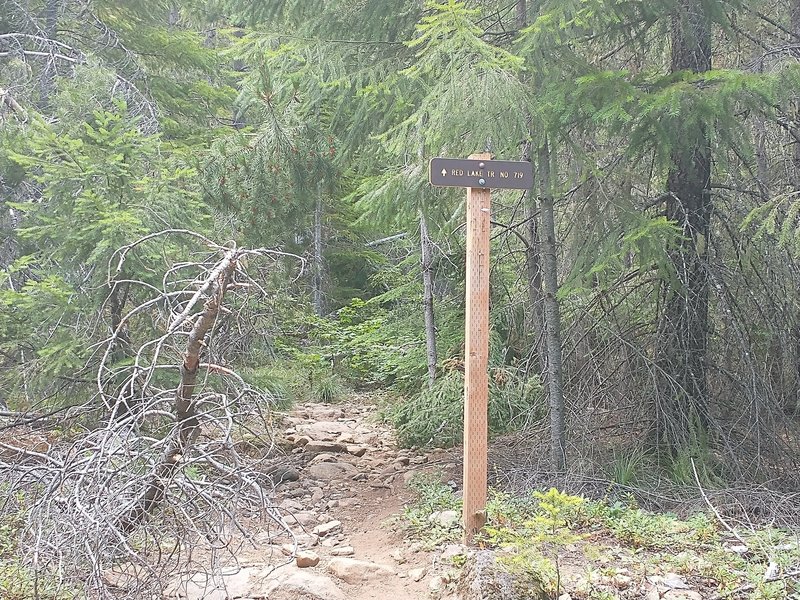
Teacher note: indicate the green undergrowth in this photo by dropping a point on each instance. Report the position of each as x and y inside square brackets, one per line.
[298, 381]
[435, 415]
[603, 549]
[379, 344]
[431, 496]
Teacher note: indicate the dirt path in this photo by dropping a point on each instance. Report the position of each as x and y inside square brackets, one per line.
[367, 498]
[349, 491]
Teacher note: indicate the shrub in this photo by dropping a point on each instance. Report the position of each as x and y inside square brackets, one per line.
[436, 414]
[328, 389]
[431, 495]
[284, 385]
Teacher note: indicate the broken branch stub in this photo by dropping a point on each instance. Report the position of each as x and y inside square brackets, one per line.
[185, 409]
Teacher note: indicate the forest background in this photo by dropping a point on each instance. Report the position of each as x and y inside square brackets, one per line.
[644, 294]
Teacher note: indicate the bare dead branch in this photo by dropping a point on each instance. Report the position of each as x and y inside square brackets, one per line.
[161, 486]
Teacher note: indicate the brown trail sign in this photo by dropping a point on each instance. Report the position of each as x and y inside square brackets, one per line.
[478, 174]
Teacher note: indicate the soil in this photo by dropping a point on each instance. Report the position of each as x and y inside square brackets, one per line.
[339, 464]
[373, 502]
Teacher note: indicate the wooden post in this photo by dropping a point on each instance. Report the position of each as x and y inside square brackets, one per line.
[478, 170]
[476, 358]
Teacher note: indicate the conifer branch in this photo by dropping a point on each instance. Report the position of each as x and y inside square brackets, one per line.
[770, 20]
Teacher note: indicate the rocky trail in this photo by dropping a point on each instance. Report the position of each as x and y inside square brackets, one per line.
[346, 485]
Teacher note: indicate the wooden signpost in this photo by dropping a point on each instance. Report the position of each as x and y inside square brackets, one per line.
[478, 174]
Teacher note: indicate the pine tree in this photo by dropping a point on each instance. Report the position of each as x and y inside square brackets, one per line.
[683, 391]
[139, 51]
[102, 184]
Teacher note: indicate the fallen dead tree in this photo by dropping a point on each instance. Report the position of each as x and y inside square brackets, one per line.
[160, 487]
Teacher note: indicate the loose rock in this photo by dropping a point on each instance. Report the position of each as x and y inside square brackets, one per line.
[324, 431]
[452, 550]
[621, 581]
[328, 528]
[304, 518]
[329, 542]
[331, 470]
[483, 579]
[288, 583]
[306, 559]
[324, 457]
[351, 570]
[290, 505]
[445, 518]
[348, 502]
[306, 540]
[281, 474]
[318, 447]
[291, 584]
[301, 441]
[437, 584]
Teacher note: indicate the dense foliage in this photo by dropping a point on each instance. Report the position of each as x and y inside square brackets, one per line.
[644, 293]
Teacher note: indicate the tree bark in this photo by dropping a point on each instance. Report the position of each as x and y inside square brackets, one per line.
[239, 66]
[683, 386]
[173, 17]
[794, 19]
[6, 99]
[319, 305]
[533, 263]
[427, 297]
[762, 158]
[117, 299]
[555, 384]
[792, 404]
[533, 253]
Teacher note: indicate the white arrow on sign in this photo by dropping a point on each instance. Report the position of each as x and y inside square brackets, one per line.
[444, 172]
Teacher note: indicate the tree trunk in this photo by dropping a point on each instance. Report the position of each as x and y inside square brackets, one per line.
[49, 74]
[239, 66]
[427, 297]
[762, 159]
[558, 441]
[173, 17]
[319, 307]
[683, 387]
[522, 14]
[792, 405]
[794, 18]
[120, 350]
[533, 261]
[185, 410]
[533, 253]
